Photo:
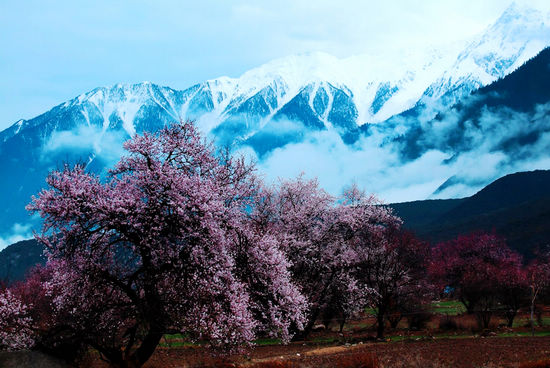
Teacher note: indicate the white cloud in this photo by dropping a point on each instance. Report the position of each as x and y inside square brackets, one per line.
[18, 232]
[88, 140]
[377, 169]
[492, 147]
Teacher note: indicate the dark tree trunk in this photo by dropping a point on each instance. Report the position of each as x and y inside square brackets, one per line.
[136, 358]
[483, 318]
[510, 316]
[380, 319]
[320, 297]
[328, 316]
[343, 322]
[146, 349]
[302, 335]
[394, 319]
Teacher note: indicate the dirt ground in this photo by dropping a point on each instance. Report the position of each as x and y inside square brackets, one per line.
[461, 353]
[462, 347]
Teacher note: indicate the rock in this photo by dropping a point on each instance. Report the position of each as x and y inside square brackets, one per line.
[30, 359]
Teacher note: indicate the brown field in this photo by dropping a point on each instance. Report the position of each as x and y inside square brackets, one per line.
[464, 352]
[462, 346]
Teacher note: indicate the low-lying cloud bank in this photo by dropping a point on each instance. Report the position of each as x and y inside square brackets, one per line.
[89, 144]
[471, 152]
[453, 156]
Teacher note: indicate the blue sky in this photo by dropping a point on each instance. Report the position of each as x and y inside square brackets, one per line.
[51, 51]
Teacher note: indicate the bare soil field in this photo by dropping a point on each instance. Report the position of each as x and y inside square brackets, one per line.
[460, 352]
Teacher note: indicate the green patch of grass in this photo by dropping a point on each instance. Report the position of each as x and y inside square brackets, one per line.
[450, 307]
[428, 337]
[525, 334]
[370, 311]
[400, 338]
[267, 341]
[324, 340]
[174, 336]
[177, 344]
[525, 321]
[546, 320]
[177, 340]
[520, 322]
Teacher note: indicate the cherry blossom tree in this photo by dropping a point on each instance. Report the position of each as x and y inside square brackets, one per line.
[394, 269]
[512, 288]
[300, 215]
[15, 322]
[43, 328]
[165, 244]
[538, 281]
[320, 234]
[477, 266]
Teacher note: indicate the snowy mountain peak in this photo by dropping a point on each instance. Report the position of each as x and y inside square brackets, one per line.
[519, 24]
[322, 90]
[518, 35]
[517, 11]
[281, 103]
[120, 92]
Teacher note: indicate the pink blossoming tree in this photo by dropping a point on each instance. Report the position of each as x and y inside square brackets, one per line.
[482, 270]
[15, 323]
[394, 269]
[321, 238]
[166, 244]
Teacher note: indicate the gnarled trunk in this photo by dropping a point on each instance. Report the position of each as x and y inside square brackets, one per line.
[380, 319]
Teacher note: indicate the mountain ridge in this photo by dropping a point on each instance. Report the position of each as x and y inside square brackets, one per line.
[516, 206]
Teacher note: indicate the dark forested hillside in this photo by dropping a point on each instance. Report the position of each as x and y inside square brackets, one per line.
[516, 206]
[18, 258]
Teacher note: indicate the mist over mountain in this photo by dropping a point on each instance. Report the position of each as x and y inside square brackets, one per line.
[403, 125]
[500, 128]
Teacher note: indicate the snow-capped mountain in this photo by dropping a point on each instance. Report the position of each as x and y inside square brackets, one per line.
[519, 34]
[308, 92]
[317, 89]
